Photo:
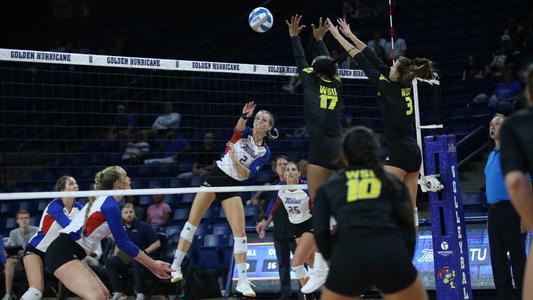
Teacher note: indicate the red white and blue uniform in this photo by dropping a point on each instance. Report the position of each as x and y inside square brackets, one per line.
[55, 217]
[247, 153]
[104, 218]
[296, 202]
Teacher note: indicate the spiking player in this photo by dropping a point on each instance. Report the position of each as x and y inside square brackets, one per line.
[245, 153]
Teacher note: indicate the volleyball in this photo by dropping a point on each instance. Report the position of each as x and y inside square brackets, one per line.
[260, 19]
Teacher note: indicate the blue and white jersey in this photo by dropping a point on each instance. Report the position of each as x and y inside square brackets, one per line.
[247, 153]
[104, 218]
[296, 202]
[54, 218]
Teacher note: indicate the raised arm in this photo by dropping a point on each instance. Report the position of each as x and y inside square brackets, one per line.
[319, 33]
[361, 46]
[247, 112]
[294, 31]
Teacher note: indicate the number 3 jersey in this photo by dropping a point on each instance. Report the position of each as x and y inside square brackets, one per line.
[297, 204]
[247, 153]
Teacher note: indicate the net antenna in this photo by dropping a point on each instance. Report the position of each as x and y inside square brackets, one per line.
[391, 30]
[428, 183]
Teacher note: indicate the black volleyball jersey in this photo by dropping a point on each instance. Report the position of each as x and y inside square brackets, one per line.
[517, 142]
[362, 206]
[322, 99]
[396, 102]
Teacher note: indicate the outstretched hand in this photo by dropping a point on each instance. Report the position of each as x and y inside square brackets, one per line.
[248, 109]
[161, 269]
[344, 27]
[320, 31]
[332, 28]
[294, 25]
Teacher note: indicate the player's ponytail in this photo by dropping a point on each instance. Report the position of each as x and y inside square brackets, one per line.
[361, 148]
[418, 67]
[273, 133]
[103, 180]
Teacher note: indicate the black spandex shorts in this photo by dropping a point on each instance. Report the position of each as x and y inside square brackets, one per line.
[62, 250]
[325, 152]
[301, 228]
[217, 177]
[366, 261]
[405, 155]
[32, 250]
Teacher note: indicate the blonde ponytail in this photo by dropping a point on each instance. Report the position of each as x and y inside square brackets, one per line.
[103, 180]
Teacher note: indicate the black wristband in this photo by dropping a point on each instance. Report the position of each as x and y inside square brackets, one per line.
[244, 116]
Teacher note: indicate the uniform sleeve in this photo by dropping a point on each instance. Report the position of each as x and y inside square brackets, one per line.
[373, 74]
[299, 54]
[258, 163]
[111, 212]
[322, 49]
[512, 157]
[376, 61]
[272, 206]
[56, 211]
[321, 216]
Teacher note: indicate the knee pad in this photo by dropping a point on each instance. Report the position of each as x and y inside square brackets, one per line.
[32, 294]
[188, 232]
[299, 272]
[240, 245]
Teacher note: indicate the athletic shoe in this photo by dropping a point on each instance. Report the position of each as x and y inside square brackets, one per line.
[244, 287]
[316, 280]
[119, 296]
[176, 275]
[9, 297]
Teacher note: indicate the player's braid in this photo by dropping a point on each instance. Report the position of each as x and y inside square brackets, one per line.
[103, 180]
[376, 166]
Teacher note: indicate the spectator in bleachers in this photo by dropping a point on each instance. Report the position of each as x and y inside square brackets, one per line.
[205, 160]
[505, 95]
[139, 211]
[400, 47]
[507, 234]
[473, 70]
[135, 152]
[168, 120]
[171, 150]
[346, 117]
[284, 242]
[158, 213]
[123, 126]
[505, 56]
[144, 237]
[18, 239]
